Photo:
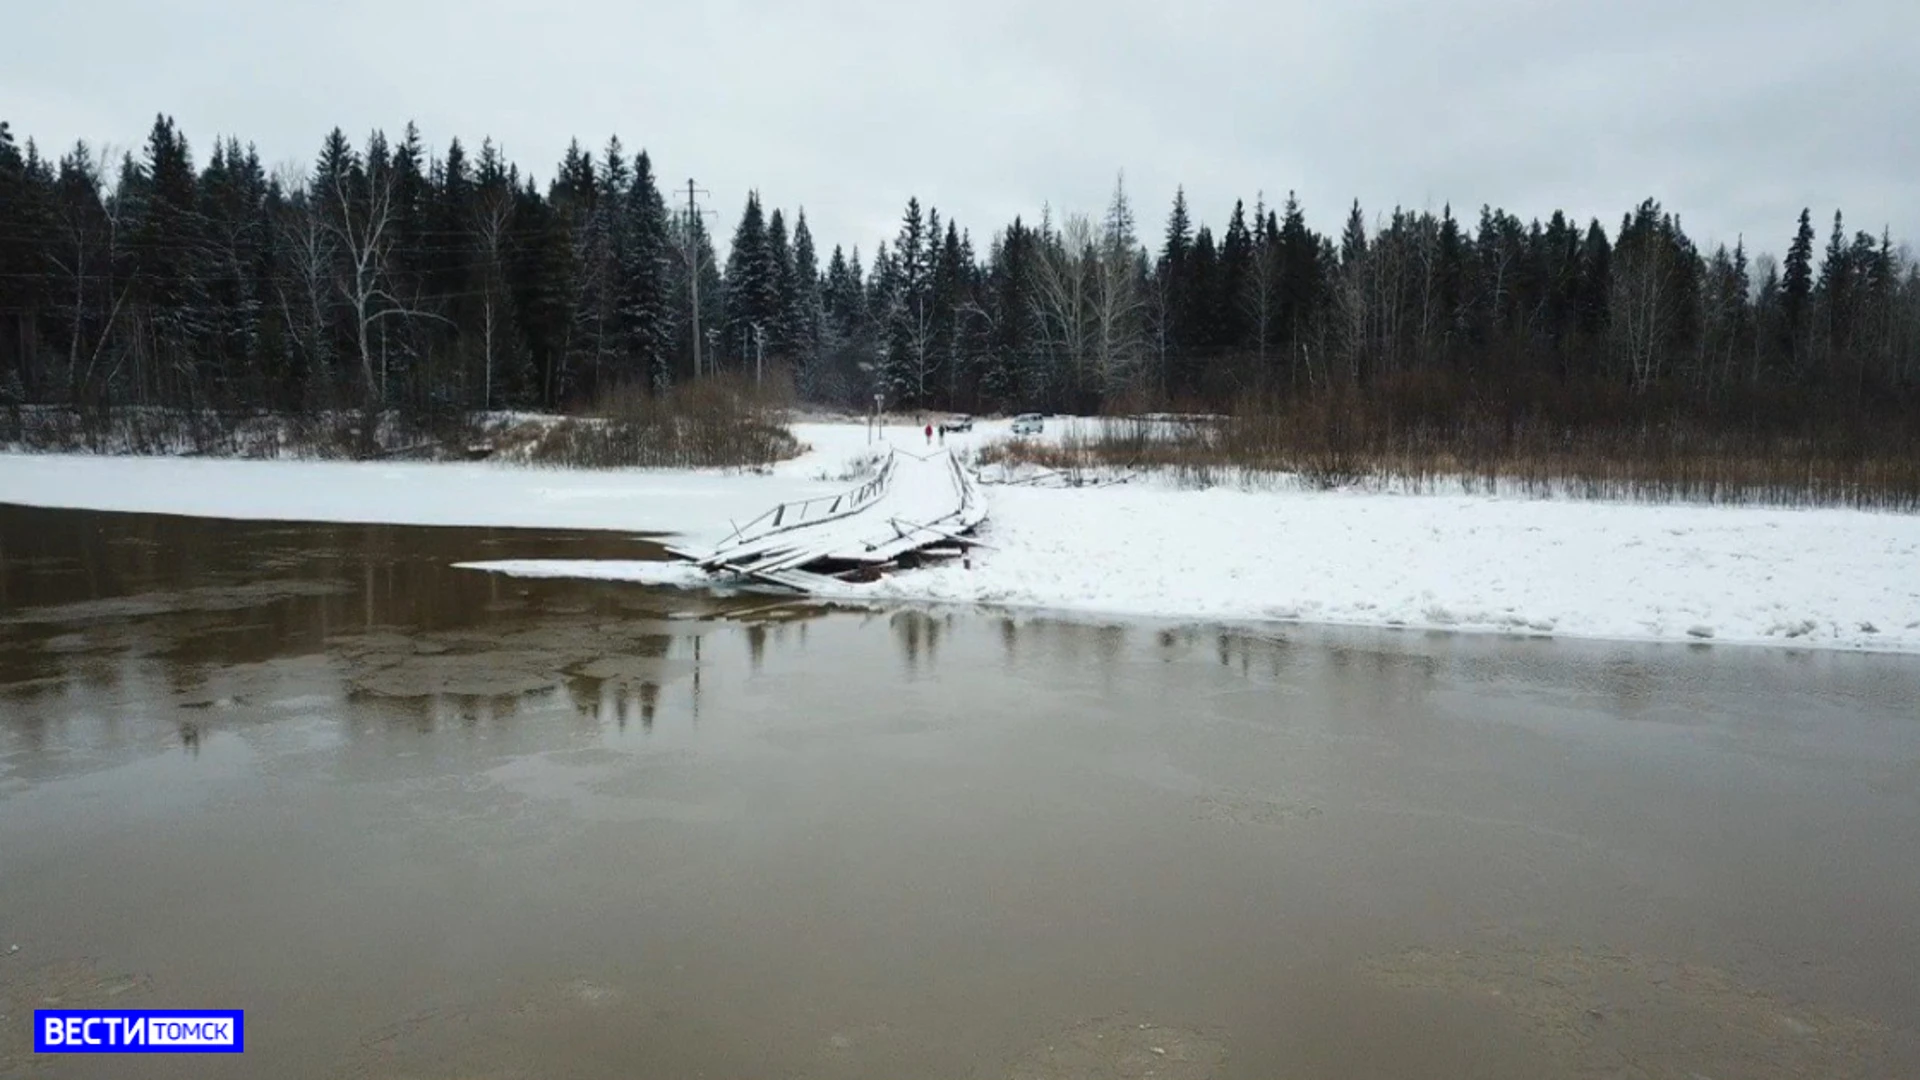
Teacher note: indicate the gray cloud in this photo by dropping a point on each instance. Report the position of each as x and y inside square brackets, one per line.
[1734, 114]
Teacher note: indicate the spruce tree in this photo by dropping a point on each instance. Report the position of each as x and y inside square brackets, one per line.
[749, 282]
[1236, 269]
[542, 274]
[1835, 288]
[903, 282]
[1174, 287]
[844, 341]
[448, 254]
[1596, 288]
[1301, 284]
[1796, 286]
[777, 327]
[803, 316]
[23, 267]
[946, 294]
[647, 308]
[167, 241]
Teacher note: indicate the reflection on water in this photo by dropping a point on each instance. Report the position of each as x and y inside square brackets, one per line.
[424, 822]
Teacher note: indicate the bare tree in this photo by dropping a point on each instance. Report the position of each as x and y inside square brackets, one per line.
[493, 214]
[1354, 294]
[1643, 269]
[1263, 279]
[1064, 296]
[87, 254]
[1119, 301]
[1427, 262]
[362, 223]
[1160, 314]
[305, 291]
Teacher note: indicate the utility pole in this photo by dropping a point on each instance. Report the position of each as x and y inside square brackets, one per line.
[693, 264]
[759, 345]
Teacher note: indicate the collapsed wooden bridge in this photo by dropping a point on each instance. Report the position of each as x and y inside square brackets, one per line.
[915, 509]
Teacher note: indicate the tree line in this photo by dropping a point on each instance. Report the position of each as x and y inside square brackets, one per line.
[386, 276]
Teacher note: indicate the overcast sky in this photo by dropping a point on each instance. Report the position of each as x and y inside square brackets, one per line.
[1735, 113]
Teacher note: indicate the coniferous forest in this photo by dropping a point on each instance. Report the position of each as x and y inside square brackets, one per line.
[387, 277]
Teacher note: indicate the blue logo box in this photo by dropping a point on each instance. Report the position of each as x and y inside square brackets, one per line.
[139, 1031]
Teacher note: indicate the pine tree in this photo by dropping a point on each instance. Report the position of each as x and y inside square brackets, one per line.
[1199, 314]
[1236, 268]
[947, 294]
[647, 309]
[1174, 292]
[388, 278]
[1796, 287]
[232, 196]
[1560, 262]
[751, 283]
[1301, 283]
[447, 257]
[1355, 300]
[804, 314]
[845, 346]
[167, 243]
[593, 199]
[1596, 282]
[777, 328]
[542, 270]
[1767, 320]
[1011, 378]
[1835, 289]
[910, 365]
[1259, 297]
[22, 266]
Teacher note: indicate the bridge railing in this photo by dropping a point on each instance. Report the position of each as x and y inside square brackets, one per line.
[792, 515]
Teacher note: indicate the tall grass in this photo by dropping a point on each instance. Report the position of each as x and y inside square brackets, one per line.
[148, 430]
[725, 421]
[1340, 440]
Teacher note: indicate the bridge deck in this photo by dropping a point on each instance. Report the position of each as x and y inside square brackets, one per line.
[913, 503]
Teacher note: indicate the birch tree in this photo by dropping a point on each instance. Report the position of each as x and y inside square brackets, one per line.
[1064, 297]
[493, 217]
[306, 286]
[362, 201]
[87, 254]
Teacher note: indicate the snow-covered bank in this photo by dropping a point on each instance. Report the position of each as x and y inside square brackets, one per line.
[398, 493]
[1806, 578]
[1825, 578]
[697, 503]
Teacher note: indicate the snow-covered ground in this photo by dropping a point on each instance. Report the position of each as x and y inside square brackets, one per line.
[694, 502]
[1832, 578]
[1807, 578]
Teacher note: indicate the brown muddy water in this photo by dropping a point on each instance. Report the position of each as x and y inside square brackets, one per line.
[431, 824]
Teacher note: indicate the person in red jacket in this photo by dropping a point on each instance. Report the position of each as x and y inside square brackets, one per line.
[929, 434]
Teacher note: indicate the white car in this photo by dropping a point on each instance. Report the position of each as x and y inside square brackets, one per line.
[1028, 424]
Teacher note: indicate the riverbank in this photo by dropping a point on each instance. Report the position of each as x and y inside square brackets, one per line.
[1502, 563]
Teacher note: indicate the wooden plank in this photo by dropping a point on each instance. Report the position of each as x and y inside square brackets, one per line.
[948, 534]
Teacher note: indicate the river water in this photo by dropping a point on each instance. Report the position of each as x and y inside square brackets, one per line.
[433, 824]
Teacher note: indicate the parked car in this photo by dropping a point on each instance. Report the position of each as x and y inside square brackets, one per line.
[1028, 424]
[961, 422]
